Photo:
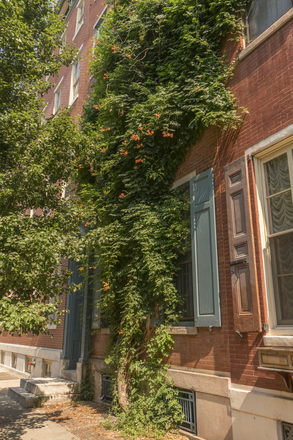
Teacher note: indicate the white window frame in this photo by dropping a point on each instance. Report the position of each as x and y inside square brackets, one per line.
[259, 160]
[74, 82]
[57, 90]
[97, 22]
[52, 326]
[79, 16]
[63, 41]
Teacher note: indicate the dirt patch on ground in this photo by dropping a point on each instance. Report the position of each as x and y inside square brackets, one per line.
[86, 421]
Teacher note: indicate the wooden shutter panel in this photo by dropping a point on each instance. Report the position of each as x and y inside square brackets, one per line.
[242, 263]
[206, 289]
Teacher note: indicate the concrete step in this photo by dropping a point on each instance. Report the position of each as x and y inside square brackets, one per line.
[44, 391]
[69, 374]
[27, 400]
[46, 386]
[30, 400]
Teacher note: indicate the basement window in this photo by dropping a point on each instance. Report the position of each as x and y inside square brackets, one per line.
[2, 357]
[287, 431]
[107, 393]
[47, 368]
[188, 409]
[14, 360]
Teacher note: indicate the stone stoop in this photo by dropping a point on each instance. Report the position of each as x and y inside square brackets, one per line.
[69, 374]
[43, 391]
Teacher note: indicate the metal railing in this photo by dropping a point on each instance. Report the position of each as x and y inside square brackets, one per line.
[287, 431]
[107, 395]
[187, 403]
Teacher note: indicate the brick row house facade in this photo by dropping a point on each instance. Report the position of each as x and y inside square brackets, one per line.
[233, 353]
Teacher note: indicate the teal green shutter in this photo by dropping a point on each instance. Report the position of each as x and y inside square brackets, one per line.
[205, 273]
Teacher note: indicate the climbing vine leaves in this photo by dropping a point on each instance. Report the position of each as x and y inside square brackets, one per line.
[161, 80]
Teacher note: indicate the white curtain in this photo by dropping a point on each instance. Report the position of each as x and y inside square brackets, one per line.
[280, 205]
[282, 256]
[281, 219]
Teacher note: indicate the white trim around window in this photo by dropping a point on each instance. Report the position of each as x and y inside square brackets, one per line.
[280, 144]
[79, 16]
[75, 78]
[63, 39]
[52, 326]
[100, 16]
[57, 96]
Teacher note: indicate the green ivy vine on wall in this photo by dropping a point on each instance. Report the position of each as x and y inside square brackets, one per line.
[160, 82]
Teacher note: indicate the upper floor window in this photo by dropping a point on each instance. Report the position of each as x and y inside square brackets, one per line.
[184, 278]
[63, 41]
[98, 24]
[79, 16]
[198, 278]
[261, 14]
[75, 80]
[278, 208]
[57, 97]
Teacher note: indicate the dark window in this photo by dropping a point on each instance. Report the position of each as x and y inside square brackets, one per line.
[287, 431]
[99, 24]
[184, 278]
[107, 393]
[184, 287]
[261, 14]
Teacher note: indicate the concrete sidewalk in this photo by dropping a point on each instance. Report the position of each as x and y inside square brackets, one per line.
[17, 423]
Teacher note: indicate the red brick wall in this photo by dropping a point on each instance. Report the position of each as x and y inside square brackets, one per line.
[263, 84]
[42, 340]
[85, 37]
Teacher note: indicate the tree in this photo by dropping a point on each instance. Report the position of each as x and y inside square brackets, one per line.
[37, 160]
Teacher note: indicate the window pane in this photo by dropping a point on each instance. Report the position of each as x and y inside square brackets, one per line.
[75, 89]
[281, 212]
[77, 70]
[282, 264]
[184, 281]
[277, 174]
[184, 287]
[263, 13]
[278, 192]
[97, 28]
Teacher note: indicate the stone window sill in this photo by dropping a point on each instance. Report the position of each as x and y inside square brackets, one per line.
[278, 341]
[183, 330]
[172, 331]
[73, 102]
[266, 34]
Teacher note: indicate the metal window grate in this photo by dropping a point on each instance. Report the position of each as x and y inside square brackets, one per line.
[14, 360]
[47, 366]
[287, 431]
[187, 402]
[107, 395]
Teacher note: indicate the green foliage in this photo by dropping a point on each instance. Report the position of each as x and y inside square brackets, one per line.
[86, 386]
[37, 160]
[155, 406]
[160, 81]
